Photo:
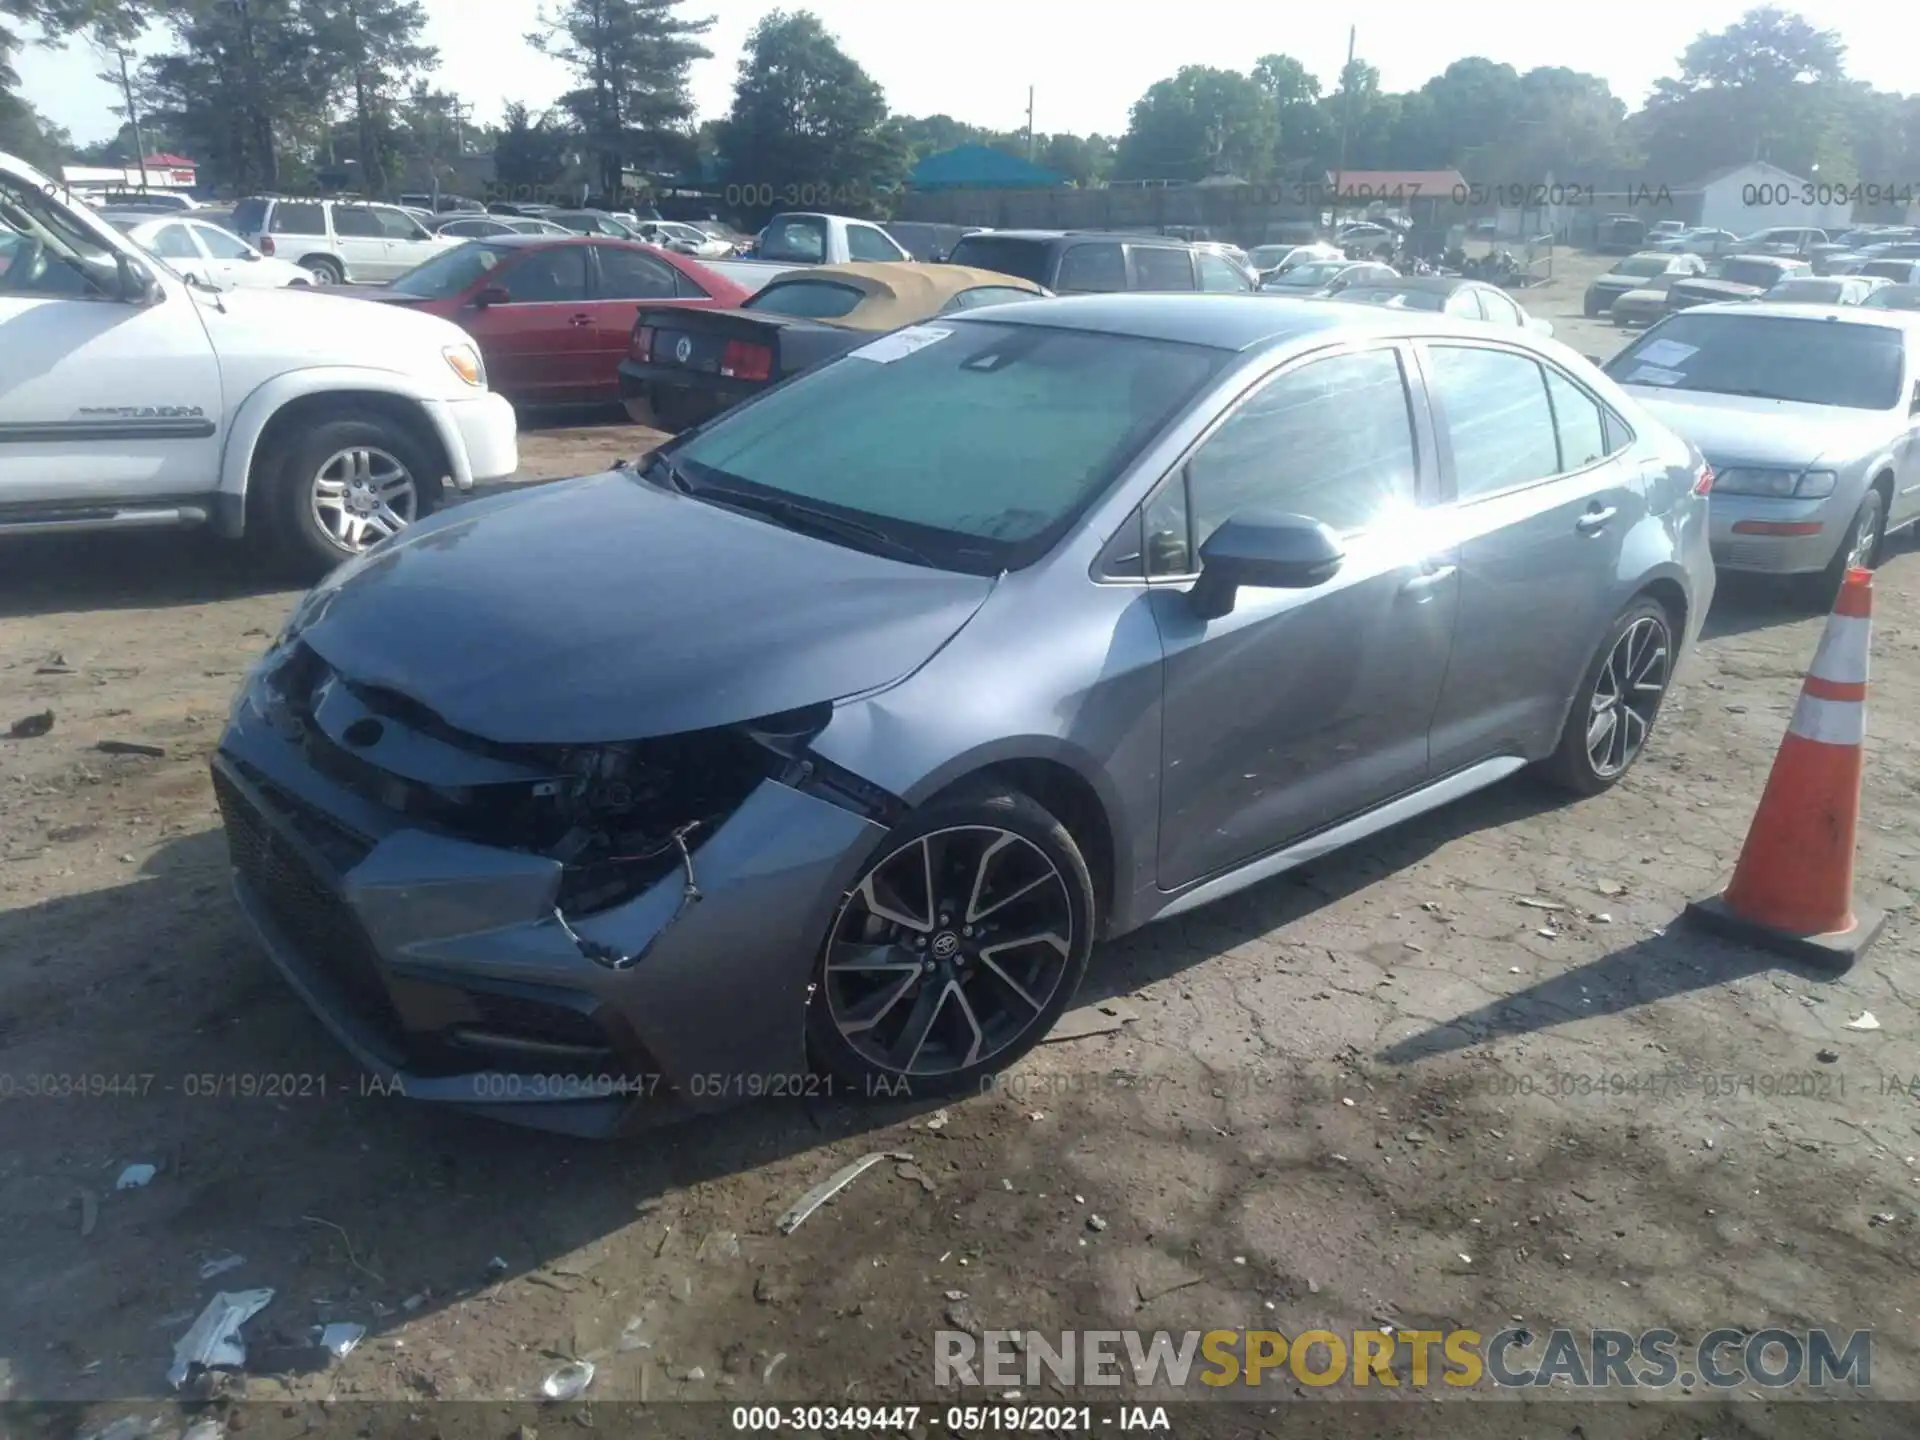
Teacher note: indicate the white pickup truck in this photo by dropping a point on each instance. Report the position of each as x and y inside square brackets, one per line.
[797, 238]
[132, 398]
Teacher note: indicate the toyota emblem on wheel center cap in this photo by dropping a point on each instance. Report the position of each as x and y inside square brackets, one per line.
[946, 945]
[684, 350]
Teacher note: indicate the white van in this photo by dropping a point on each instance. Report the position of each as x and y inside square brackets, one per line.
[131, 397]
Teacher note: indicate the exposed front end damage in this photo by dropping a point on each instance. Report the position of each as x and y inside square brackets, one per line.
[570, 936]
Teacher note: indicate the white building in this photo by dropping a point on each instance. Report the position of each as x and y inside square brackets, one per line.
[1759, 196]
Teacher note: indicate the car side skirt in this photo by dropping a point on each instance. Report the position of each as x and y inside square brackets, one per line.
[1416, 802]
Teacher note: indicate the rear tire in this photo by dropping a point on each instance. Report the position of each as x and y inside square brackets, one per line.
[956, 950]
[335, 487]
[1615, 710]
[324, 269]
[640, 411]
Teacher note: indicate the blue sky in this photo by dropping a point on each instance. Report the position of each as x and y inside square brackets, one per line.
[1088, 60]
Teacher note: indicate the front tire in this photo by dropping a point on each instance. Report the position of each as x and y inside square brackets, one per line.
[1618, 702]
[1859, 548]
[955, 951]
[337, 487]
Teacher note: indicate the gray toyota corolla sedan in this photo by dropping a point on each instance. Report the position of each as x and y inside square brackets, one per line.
[813, 755]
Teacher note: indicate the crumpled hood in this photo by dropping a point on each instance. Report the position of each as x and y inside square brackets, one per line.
[1777, 434]
[602, 609]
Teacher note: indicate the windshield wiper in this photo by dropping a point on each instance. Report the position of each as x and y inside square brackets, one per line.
[670, 474]
[1751, 394]
[795, 515]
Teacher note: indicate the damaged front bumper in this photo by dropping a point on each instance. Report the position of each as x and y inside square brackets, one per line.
[450, 970]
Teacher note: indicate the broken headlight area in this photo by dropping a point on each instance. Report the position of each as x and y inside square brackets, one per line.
[619, 817]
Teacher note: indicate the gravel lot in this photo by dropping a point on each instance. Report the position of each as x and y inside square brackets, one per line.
[1461, 1074]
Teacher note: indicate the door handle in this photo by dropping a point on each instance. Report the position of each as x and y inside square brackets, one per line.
[581, 320]
[1423, 584]
[1595, 520]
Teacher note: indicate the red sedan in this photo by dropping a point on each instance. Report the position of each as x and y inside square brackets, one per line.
[553, 317]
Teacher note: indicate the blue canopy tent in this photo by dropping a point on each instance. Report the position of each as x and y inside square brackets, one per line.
[977, 167]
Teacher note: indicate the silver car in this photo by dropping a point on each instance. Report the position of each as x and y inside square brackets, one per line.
[1810, 417]
[813, 755]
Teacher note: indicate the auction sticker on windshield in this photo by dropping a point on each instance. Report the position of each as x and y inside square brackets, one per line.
[1666, 352]
[901, 343]
[1653, 375]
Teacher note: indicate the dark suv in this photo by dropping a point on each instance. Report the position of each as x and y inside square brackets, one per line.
[1077, 262]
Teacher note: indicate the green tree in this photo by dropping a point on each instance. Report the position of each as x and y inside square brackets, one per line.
[1471, 103]
[530, 152]
[1200, 122]
[1306, 141]
[371, 51]
[630, 58]
[805, 114]
[239, 88]
[25, 132]
[1769, 87]
[1079, 159]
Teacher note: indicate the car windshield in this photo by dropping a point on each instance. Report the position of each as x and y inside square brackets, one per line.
[976, 444]
[450, 272]
[1004, 255]
[1397, 299]
[1807, 292]
[1310, 275]
[1642, 265]
[1769, 356]
[1893, 297]
[1745, 272]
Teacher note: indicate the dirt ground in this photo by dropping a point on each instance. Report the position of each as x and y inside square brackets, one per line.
[1468, 1074]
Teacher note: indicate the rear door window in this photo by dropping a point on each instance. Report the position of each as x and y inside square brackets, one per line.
[1158, 267]
[634, 275]
[1022, 258]
[297, 218]
[1497, 416]
[1097, 267]
[549, 276]
[1217, 274]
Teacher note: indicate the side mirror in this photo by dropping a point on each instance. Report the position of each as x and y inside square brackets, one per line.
[1593, 360]
[136, 281]
[492, 295]
[251, 255]
[1266, 550]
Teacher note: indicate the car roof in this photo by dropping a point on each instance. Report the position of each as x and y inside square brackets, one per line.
[1220, 321]
[1126, 236]
[521, 239]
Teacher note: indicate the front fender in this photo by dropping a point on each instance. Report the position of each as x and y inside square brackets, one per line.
[256, 412]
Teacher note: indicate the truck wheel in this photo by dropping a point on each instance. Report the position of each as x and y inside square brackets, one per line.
[324, 269]
[337, 487]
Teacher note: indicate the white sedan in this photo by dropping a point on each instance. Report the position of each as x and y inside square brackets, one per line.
[206, 253]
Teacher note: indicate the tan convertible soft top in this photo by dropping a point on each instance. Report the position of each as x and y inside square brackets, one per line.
[899, 292]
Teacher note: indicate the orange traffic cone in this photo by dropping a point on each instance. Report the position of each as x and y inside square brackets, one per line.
[1792, 890]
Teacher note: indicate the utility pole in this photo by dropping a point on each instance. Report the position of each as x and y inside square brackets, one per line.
[133, 115]
[460, 111]
[1029, 124]
[1346, 118]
